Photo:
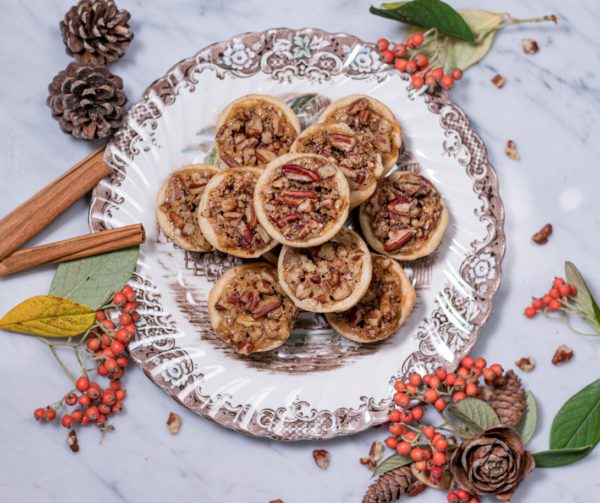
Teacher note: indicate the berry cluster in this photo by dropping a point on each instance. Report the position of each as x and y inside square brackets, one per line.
[462, 495]
[105, 343]
[410, 57]
[427, 445]
[554, 300]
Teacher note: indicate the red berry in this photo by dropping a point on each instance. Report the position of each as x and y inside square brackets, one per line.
[417, 454]
[471, 389]
[410, 436]
[117, 373]
[406, 416]
[101, 420]
[457, 74]
[463, 495]
[480, 363]
[134, 316]
[395, 429]
[108, 324]
[474, 499]
[71, 399]
[427, 379]
[100, 316]
[111, 365]
[421, 465]
[383, 44]
[430, 81]
[462, 372]
[129, 307]
[431, 395]
[129, 294]
[441, 444]
[117, 408]
[564, 290]
[104, 409]
[437, 73]
[429, 432]
[415, 379]
[131, 328]
[421, 60]
[77, 415]
[115, 384]
[439, 458]
[93, 344]
[120, 394]
[450, 380]
[66, 420]
[411, 389]
[387, 56]
[418, 39]
[122, 335]
[82, 383]
[457, 397]
[92, 413]
[394, 416]
[124, 319]
[554, 305]
[401, 399]
[399, 386]
[467, 362]
[460, 384]
[117, 347]
[440, 404]
[573, 290]
[558, 282]
[102, 370]
[391, 442]
[411, 66]
[399, 50]
[119, 299]
[497, 368]
[488, 375]
[417, 81]
[441, 373]
[93, 392]
[39, 414]
[435, 382]
[122, 361]
[452, 497]
[84, 400]
[417, 413]
[50, 414]
[403, 448]
[554, 293]
[537, 304]
[447, 82]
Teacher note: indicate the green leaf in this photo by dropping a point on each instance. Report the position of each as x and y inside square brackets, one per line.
[528, 424]
[584, 297]
[391, 463]
[92, 280]
[475, 413]
[578, 421]
[461, 54]
[560, 457]
[48, 316]
[428, 14]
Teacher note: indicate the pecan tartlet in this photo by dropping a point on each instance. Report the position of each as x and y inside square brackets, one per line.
[372, 118]
[226, 214]
[255, 129]
[353, 153]
[329, 277]
[405, 218]
[248, 309]
[383, 309]
[176, 205]
[302, 200]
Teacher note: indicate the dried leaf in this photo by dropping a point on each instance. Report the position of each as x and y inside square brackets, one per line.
[173, 423]
[321, 457]
[562, 355]
[48, 316]
[92, 280]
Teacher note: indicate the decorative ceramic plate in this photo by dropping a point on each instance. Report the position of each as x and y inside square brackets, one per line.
[318, 384]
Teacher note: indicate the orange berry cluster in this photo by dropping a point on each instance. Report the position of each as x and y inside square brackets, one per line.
[106, 345]
[553, 300]
[462, 495]
[408, 58]
[422, 442]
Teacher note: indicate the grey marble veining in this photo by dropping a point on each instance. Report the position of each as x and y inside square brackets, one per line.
[549, 107]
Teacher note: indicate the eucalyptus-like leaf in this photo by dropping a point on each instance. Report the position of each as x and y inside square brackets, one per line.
[391, 463]
[561, 457]
[584, 298]
[528, 424]
[577, 423]
[476, 413]
[428, 14]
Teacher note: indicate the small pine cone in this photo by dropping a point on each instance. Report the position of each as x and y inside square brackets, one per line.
[391, 485]
[96, 31]
[508, 400]
[87, 100]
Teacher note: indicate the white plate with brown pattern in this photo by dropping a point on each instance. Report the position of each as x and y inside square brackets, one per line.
[317, 385]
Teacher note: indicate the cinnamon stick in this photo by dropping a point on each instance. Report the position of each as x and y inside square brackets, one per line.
[44, 207]
[73, 248]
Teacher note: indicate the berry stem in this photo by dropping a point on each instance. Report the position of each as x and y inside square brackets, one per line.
[61, 363]
[513, 20]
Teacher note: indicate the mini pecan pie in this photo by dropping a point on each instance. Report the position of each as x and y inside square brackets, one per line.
[383, 309]
[405, 218]
[353, 153]
[226, 214]
[248, 309]
[254, 130]
[176, 206]
[373, 119]
[302, 200]
[329, 277]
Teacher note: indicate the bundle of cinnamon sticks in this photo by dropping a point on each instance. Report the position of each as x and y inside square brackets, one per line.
[44, 207]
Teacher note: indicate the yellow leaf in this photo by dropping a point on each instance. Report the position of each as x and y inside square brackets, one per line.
[48, 316]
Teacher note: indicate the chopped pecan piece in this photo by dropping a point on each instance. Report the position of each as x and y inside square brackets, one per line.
[302, 174]
[563, 354]
[529, 46]
[342, 142]
[511, 151]
[541, 236]
[499, 81]
[526, 364]
[321, 457]
[173, 423]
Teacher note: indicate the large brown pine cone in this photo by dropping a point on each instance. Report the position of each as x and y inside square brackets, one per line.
[508, 400]
[393, 484]
[87, 100]
[96, 31]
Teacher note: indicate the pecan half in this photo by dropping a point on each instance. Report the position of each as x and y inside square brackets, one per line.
[229, 160]
[265, 155]
[399, 241]
[321, 457]
[300, 194]
[401, 206]
[72, 441]
[302, 173]
[563, 354]
[541, 236]
[265, 308]
[173, 423]
[342, 142]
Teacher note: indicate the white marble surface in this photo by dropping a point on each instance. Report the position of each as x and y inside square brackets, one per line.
[549, 107]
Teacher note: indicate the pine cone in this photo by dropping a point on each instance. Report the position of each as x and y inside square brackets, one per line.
[508, 400]
[391, 485]
[87, 100]
[96, 31]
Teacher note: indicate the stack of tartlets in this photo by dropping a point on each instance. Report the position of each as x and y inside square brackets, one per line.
[285, 196]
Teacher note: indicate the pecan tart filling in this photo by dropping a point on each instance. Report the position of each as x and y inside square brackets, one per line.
[372, 118]
[354, 155]
[302, 200]
[383, 309]
[329, 277]
[176, 206]
[248, 309]
[405, 218]
[226, 214]
[254, 130]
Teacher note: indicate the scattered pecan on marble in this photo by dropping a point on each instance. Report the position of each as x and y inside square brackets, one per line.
[541, 236]
[563, 354]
